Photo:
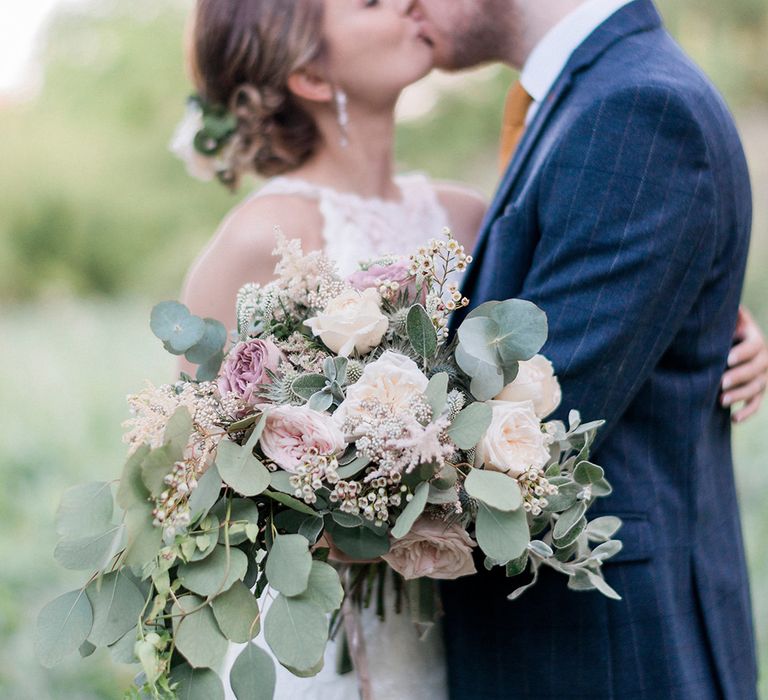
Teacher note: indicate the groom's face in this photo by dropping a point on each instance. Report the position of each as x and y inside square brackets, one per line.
[464, 33]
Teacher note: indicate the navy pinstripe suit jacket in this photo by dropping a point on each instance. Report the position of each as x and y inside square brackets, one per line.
[625, 215]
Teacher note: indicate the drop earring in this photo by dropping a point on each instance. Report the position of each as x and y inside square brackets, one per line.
[342, 115]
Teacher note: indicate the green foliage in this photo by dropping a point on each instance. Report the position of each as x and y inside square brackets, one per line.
[411, 512]
[253, 675]
[470, 425]
[296, 630]
[421, 332]
[63, 625]
[289, 564]
[494, 489]
[237, 613]
[198, 636]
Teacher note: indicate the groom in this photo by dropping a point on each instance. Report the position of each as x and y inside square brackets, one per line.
[624, 213]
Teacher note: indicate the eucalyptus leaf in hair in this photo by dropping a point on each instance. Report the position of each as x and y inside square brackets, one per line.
[219, 124]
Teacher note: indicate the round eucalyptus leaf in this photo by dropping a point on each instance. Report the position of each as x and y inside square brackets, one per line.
[253, 675]
[198, 636]
[173, 323]
[144, 540]
[412, 511]
[240, 469]
[478, 338]
[470, 425]
[209, 370]
[324, 587]
[522, 329]
[85, 510]
[280, 481]
[291, 502]
[131, 490]
[346, 519]
[215, 573]
[213, 341]
[237, 612]
[359, 542]
[197, 683]
[156, 466]
[243, 511]
[497, 490]
[289, 563]
[296, 630]
[90, 553]
[502, 536]
[206, 494]
[117, 604]
[62, 626]
[122, 649]
[446, 478]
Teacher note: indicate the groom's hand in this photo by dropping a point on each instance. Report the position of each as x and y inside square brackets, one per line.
[746, 380]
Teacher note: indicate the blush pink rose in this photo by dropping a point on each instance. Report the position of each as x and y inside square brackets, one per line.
[246, 368]
[433, 549]
[377, 275]
[292, 431]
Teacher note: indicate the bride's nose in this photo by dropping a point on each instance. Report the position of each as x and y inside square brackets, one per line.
[405, 7]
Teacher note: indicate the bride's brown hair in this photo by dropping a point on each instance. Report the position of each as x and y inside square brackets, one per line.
[241, 54]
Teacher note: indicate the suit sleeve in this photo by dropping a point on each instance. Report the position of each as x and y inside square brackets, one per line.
[628, 235]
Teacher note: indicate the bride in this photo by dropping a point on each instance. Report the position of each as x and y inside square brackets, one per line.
[313, 86]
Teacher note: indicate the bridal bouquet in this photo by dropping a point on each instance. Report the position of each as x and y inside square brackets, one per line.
[344, 424]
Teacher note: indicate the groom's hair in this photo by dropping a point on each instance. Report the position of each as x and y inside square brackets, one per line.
[240, 55]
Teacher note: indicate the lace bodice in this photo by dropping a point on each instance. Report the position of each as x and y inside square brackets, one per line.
[360, 228]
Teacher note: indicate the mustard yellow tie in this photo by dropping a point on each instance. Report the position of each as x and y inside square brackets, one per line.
[515, 110]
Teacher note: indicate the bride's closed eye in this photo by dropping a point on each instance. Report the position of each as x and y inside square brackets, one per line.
[371, 3]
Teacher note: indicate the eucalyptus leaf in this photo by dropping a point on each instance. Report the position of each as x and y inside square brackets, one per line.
[173, 323]
[311, 529]
[213, 341]
[446, 478]
[346, 519]
[117, 604]
[156, 466]
[324, 587]
[237, 613]
[85, 510]
[143, 538]
[253, 675]
[421, 332]
[62, 626]
[177, 431]
[240, 469]
[280, 481]
[289, 563]
[470, 425]
[92, 552]
[214, 574]
[241, 510]
[437, 393]
[522, 329]
[353, 468]
[412, 511]
[131, 490]
[497, 490]
[291, 502]
[359, 543]
[196, 683]
[198, 636]
[478, 338]
[209, 370]
[296, 630]
[206, 494]
[122, 649]
[501, 536]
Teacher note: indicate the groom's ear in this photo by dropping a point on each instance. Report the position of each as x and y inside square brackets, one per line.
[310, 85]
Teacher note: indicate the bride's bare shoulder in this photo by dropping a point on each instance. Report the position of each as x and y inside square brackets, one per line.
[466, 209]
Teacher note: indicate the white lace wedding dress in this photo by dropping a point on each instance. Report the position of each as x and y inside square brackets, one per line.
[401, 666]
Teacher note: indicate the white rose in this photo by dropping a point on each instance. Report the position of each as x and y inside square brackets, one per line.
[536, 382]
[514, 441]
[352, 321]
[394, 379]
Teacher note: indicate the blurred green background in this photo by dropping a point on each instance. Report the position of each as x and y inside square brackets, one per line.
[98, 222]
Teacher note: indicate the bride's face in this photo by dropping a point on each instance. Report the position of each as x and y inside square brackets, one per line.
[375, 48]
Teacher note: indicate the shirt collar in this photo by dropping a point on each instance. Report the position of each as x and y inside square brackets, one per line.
[550, 56]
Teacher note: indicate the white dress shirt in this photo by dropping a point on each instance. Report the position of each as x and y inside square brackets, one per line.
[555, 49]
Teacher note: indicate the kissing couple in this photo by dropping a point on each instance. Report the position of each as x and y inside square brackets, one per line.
[623, 211]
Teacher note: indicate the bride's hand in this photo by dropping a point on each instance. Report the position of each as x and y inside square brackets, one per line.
[747, 378]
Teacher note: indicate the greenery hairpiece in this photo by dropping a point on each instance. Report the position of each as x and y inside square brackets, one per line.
[219, 124]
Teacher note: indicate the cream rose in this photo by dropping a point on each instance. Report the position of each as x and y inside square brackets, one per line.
[292, 431]
[352, 321]
[536, 382]
[514, 441]
[433, 549]
[394, 379]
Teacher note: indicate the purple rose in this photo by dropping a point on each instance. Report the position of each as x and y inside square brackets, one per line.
[377, 275]
[246, 367]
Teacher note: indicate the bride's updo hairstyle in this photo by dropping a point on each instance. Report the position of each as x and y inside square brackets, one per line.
[241, 55]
